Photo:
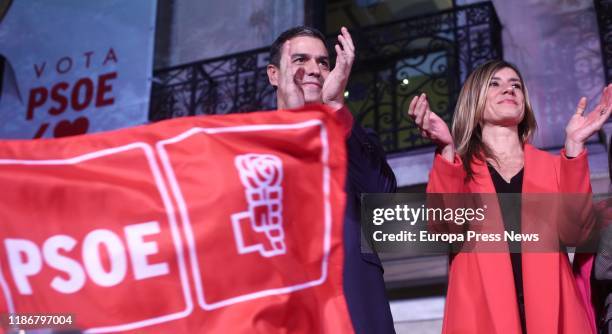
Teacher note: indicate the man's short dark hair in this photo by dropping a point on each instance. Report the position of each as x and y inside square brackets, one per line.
[275, 49]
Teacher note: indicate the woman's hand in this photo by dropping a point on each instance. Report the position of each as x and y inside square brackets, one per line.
[432, 126]
[581, 127]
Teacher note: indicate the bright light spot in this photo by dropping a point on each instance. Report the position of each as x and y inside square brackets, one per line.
[405, 81]
[346, 94]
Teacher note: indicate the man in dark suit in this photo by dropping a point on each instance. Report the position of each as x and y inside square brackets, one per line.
[301, 72]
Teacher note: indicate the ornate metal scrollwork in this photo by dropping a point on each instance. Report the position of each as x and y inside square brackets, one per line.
[229, 84]
[604, 19]
[431, 54]
[395, 61]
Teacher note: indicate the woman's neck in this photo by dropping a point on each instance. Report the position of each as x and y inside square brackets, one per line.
[503, 142]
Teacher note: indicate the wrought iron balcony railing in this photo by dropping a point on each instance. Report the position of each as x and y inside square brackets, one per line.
[395, 61]
[604, 19]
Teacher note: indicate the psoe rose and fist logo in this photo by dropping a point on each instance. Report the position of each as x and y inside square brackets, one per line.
[165, 224]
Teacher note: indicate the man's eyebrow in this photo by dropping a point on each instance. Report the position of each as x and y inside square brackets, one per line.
[300, 55]
[308, 56]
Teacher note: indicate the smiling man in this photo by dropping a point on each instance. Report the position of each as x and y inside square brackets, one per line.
[301, 72]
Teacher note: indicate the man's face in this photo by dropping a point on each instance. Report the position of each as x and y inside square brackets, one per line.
[310, 54]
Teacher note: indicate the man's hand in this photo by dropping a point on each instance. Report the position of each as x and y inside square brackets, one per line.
[581, 127]
[334, 86]
[432, 126]
[290, 76]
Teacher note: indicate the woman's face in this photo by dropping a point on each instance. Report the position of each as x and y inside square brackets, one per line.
[505, 103]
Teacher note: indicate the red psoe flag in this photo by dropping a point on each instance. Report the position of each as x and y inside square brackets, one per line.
[229, 224]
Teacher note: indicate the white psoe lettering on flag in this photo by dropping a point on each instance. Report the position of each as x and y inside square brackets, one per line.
[26, 259]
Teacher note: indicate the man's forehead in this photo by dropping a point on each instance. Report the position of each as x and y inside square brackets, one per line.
[308, 45]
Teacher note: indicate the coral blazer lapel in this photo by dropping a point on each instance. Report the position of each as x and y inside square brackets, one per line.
[540, 270]
[495, 268]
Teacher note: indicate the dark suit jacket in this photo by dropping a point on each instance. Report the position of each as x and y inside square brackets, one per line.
[364, 288]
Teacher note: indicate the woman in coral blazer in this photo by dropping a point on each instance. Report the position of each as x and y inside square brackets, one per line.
[488, 152]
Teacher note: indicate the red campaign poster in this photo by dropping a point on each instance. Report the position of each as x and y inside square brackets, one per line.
[226, 224]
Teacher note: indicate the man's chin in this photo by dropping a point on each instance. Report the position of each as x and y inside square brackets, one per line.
[313, 98]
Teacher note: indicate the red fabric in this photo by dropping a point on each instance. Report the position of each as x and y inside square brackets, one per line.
[172, 194]
[346, 119]
[481, 296]
[583, 266]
